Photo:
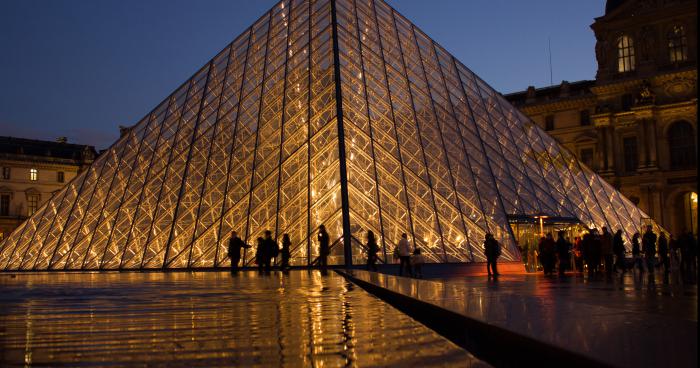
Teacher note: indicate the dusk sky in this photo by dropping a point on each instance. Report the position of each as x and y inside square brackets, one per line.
[82, 68]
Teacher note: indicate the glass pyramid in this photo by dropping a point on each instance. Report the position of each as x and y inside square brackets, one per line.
[334, 112]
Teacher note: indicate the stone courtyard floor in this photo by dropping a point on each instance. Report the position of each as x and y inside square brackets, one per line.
[631, 320]
[209, 319]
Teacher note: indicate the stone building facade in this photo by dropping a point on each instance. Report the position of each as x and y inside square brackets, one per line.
[31, 171]
[636, 123]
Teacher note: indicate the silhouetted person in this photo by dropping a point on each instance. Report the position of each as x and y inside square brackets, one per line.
[417, 261]
[492, 250]
[649, 248]
[663, 252]
[606, 249]
[286, 252]
[636, 253]
[235, 244]
[404, 251]
[372, 249]
[688, 246]
[548, 255]
[271, 250]
[618, 246]
[260, 254]
[596, 252]
[578, 255]
[563, 247]
[323, 247]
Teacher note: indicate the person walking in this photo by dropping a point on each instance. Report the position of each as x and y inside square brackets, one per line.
[578, 255]
[323, 247]
[260, 254]
[606, 248]
[591, 252]
[649, 248]
[563, 246]
[548, 254]
[417, 261]
[636, 253]
[404, 251]
[235, 244]
[492, 250]
[663, 252]
[286, 252]
[618, 246]
[372, 249]
[270, 250]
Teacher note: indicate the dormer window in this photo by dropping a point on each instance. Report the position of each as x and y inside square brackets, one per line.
[625, 54]
[677, 44]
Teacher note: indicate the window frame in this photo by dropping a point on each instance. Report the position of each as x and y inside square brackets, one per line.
[677, 44]
[33, 174]
[625, 54]
[549, 123]
[681, 157]
[5, 200]
[33, 201]
[6, 173]
[60, 176]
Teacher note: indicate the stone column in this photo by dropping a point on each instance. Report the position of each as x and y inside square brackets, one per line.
[600, 148]
[651, 138]
[641, 144]
[609, 149]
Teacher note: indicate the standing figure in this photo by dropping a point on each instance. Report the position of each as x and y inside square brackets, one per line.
[492, 250]
[606, 248]
[578, 255]
[548, 254]
[286, 253]
[563, 247]
[235, 244]
[636, 253]
[372, 249]
[260, 254]
[619, 250]
[324, 248]
[649, 248]
[404, 251]
[663, 252]
[417, 261]
[271, 250]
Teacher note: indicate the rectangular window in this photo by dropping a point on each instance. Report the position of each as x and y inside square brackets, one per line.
[33, 174]
[629, 151]
[6, 173]
[585, 118]
[60, 177]
[4, 204]
[32, 203]
[586, 156]
[549, 122]
[627, 102]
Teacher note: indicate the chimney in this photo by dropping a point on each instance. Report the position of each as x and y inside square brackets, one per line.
[564, 89]
[530, 94]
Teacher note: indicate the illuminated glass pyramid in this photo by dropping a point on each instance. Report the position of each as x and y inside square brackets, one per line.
[325, 112]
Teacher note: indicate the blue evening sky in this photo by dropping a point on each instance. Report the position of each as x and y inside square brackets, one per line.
[81, 68]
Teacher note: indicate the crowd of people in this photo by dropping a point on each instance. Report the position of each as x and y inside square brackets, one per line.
[267, 252]
[604, 253]
[594, 253]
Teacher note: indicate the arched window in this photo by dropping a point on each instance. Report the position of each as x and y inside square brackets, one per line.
[677, 44]
[681, 144]
[625, 54]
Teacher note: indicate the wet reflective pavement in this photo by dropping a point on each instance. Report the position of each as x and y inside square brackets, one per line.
[627, 321]
[209, 319]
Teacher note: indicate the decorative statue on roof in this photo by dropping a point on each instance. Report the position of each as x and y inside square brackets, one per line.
[645, 96]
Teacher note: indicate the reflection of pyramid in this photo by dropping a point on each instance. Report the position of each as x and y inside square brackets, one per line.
[260, 138]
